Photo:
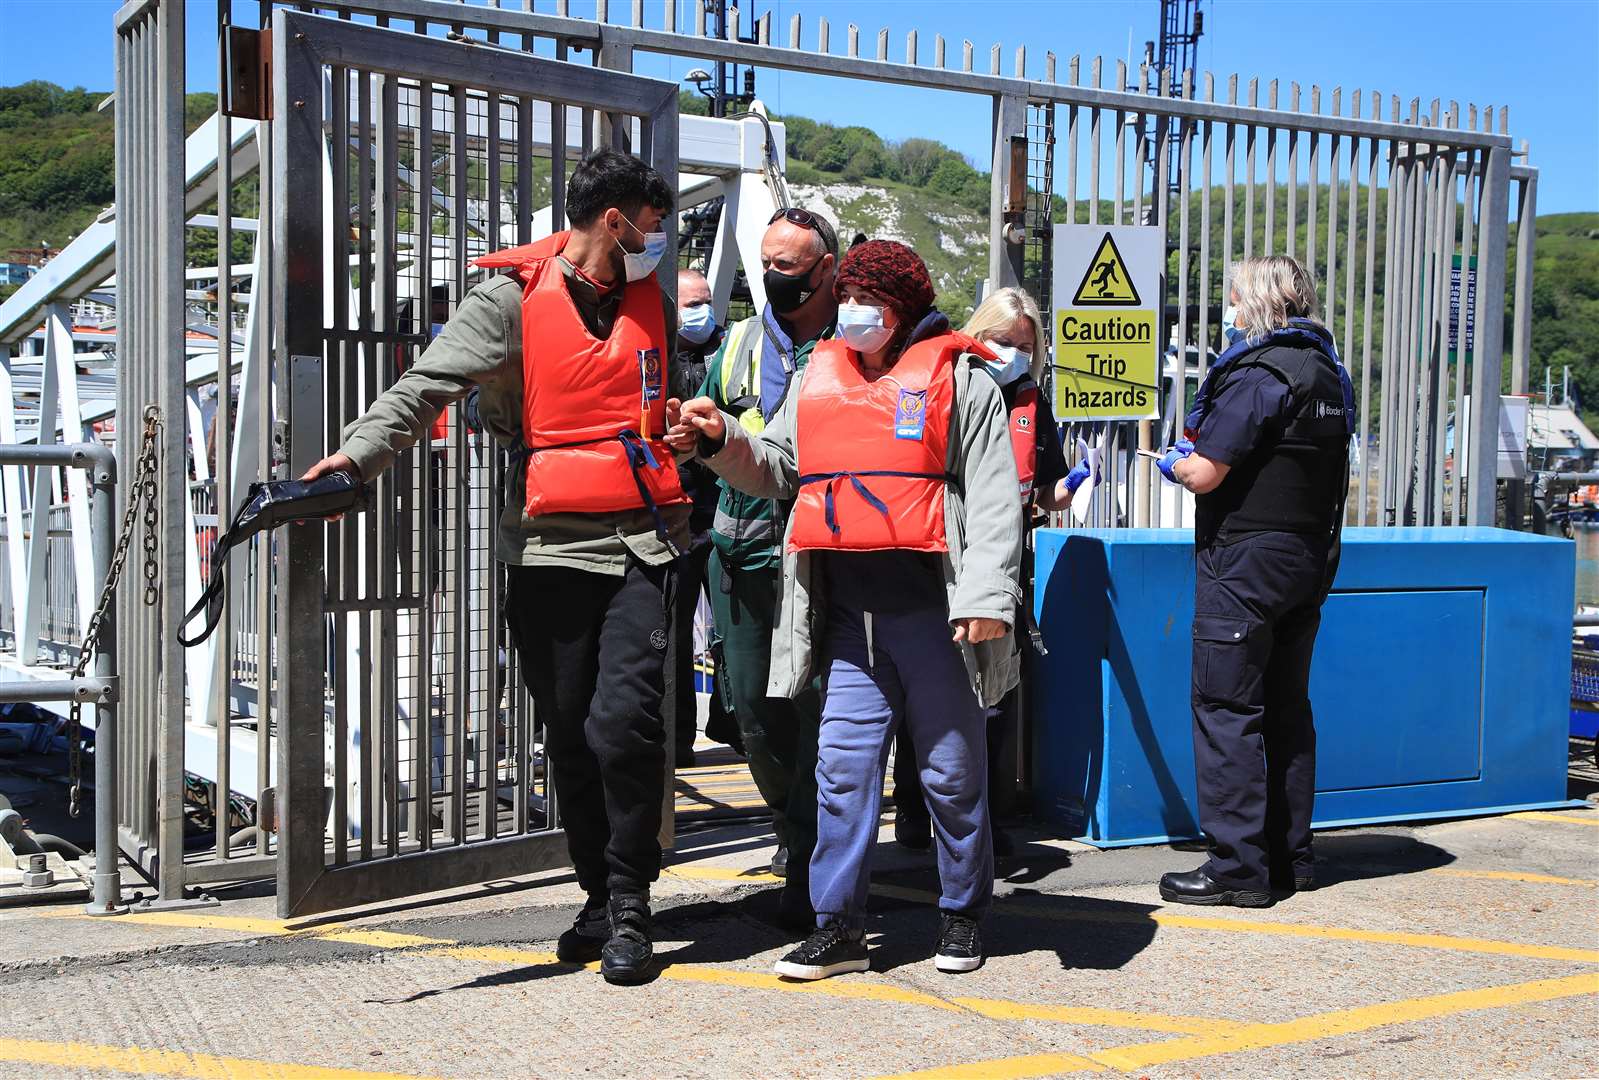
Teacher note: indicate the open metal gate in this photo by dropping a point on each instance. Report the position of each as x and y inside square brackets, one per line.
[409, 758]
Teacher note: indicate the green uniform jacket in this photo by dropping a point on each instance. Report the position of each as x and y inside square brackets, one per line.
[747, 527]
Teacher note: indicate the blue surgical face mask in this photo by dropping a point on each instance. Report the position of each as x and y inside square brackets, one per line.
[1011, 364]
[1229, 326]
[639, 265]
[861, 327]
[696, 324]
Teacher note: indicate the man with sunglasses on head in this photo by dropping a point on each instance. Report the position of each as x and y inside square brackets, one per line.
[573, 349]
[748, 378]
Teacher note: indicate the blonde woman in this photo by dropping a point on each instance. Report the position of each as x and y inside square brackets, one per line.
[1008, 322]
[1266, 452]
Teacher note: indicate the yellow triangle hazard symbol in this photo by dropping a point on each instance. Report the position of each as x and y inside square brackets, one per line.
[1107, 281]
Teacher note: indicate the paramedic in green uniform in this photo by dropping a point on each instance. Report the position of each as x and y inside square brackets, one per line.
[748, 378]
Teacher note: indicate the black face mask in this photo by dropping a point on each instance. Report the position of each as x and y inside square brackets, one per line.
[788, 292]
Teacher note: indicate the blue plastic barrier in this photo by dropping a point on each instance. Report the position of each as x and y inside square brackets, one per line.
[1441, 679]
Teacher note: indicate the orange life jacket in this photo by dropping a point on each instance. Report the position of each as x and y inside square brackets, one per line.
[873, 454]
[593, 411]
[1023, 424]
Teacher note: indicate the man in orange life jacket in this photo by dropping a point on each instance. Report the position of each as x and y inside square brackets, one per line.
[573, 351]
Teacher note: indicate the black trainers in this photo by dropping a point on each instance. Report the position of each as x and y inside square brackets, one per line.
[960, 943]
[625, 958]
[582, 943]
[831, 950]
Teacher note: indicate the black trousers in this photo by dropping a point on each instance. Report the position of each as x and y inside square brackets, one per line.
[594, 654]
[1257, 607]
[690, 581]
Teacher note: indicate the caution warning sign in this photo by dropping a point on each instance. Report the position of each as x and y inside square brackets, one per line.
[1107, 322]
[1107, 282]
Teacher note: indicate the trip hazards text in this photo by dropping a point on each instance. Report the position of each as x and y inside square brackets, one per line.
[1106, 364]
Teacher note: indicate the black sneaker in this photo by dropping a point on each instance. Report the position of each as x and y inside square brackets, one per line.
[625, 958]
[831, 950]
[960, 943]
[582, 943]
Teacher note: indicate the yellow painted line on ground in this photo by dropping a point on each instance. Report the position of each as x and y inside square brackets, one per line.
[1117, 1018]
[1445, 942]
[1345, 1022]
[378, 939]
[140, 1061]
[720, 873]
[1246, 1037]
[1006, 1068]
[1564, 819]
[1511, 875]
[242, 923]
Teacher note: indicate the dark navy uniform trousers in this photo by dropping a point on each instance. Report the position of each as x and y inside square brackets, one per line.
[1257, 607]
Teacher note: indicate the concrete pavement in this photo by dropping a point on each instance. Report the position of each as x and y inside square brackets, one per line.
[1464, 948]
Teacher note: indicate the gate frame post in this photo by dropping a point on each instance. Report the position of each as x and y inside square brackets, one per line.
[1005, 259]
[1488, 359]
[297, 316]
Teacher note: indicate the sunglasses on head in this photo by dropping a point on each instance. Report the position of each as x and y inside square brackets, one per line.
[804, 219]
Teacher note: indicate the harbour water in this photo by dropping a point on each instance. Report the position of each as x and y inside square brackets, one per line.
[1587, 565]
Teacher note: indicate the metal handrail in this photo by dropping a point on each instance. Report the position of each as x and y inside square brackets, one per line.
[100, 463]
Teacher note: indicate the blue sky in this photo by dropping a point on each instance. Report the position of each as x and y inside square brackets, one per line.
[1539, 57]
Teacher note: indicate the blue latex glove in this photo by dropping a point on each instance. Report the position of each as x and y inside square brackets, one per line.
[1177, 453]
[1076, 477]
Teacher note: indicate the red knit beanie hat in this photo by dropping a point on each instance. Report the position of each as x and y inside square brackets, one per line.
[889, 270]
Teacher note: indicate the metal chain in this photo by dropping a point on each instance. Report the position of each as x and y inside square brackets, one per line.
[143, 491]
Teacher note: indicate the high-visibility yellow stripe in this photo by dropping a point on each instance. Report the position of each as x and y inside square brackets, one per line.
[141, 1061]
[1446, 942]
[241, 923]
[720, 873]
[1345, 1022]
[1511, 875]
[1117, 1018]
[1140, 1056]
[1573, 818]
[378, 939]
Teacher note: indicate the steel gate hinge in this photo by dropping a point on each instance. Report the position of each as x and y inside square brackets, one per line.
[248, 93]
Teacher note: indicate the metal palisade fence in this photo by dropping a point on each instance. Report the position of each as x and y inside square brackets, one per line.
[390, 747]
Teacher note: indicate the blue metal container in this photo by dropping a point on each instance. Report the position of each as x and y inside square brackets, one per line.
[1440, 683]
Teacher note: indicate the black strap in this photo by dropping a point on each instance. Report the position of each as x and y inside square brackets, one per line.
[832, 480]
[266, 506]
[215, 590]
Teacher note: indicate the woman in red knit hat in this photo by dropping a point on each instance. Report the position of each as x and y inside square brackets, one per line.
[900, 582]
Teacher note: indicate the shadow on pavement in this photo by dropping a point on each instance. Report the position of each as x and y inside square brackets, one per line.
[1361, 856]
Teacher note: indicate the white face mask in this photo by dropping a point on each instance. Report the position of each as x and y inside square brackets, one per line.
[696, 324]
[639, 265]
[1229, 325]
[861, 327]
[1011, 365]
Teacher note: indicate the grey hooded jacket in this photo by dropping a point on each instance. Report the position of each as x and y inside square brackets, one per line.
[984, 532]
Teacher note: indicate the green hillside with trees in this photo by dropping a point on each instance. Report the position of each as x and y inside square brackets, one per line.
[57, 174]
